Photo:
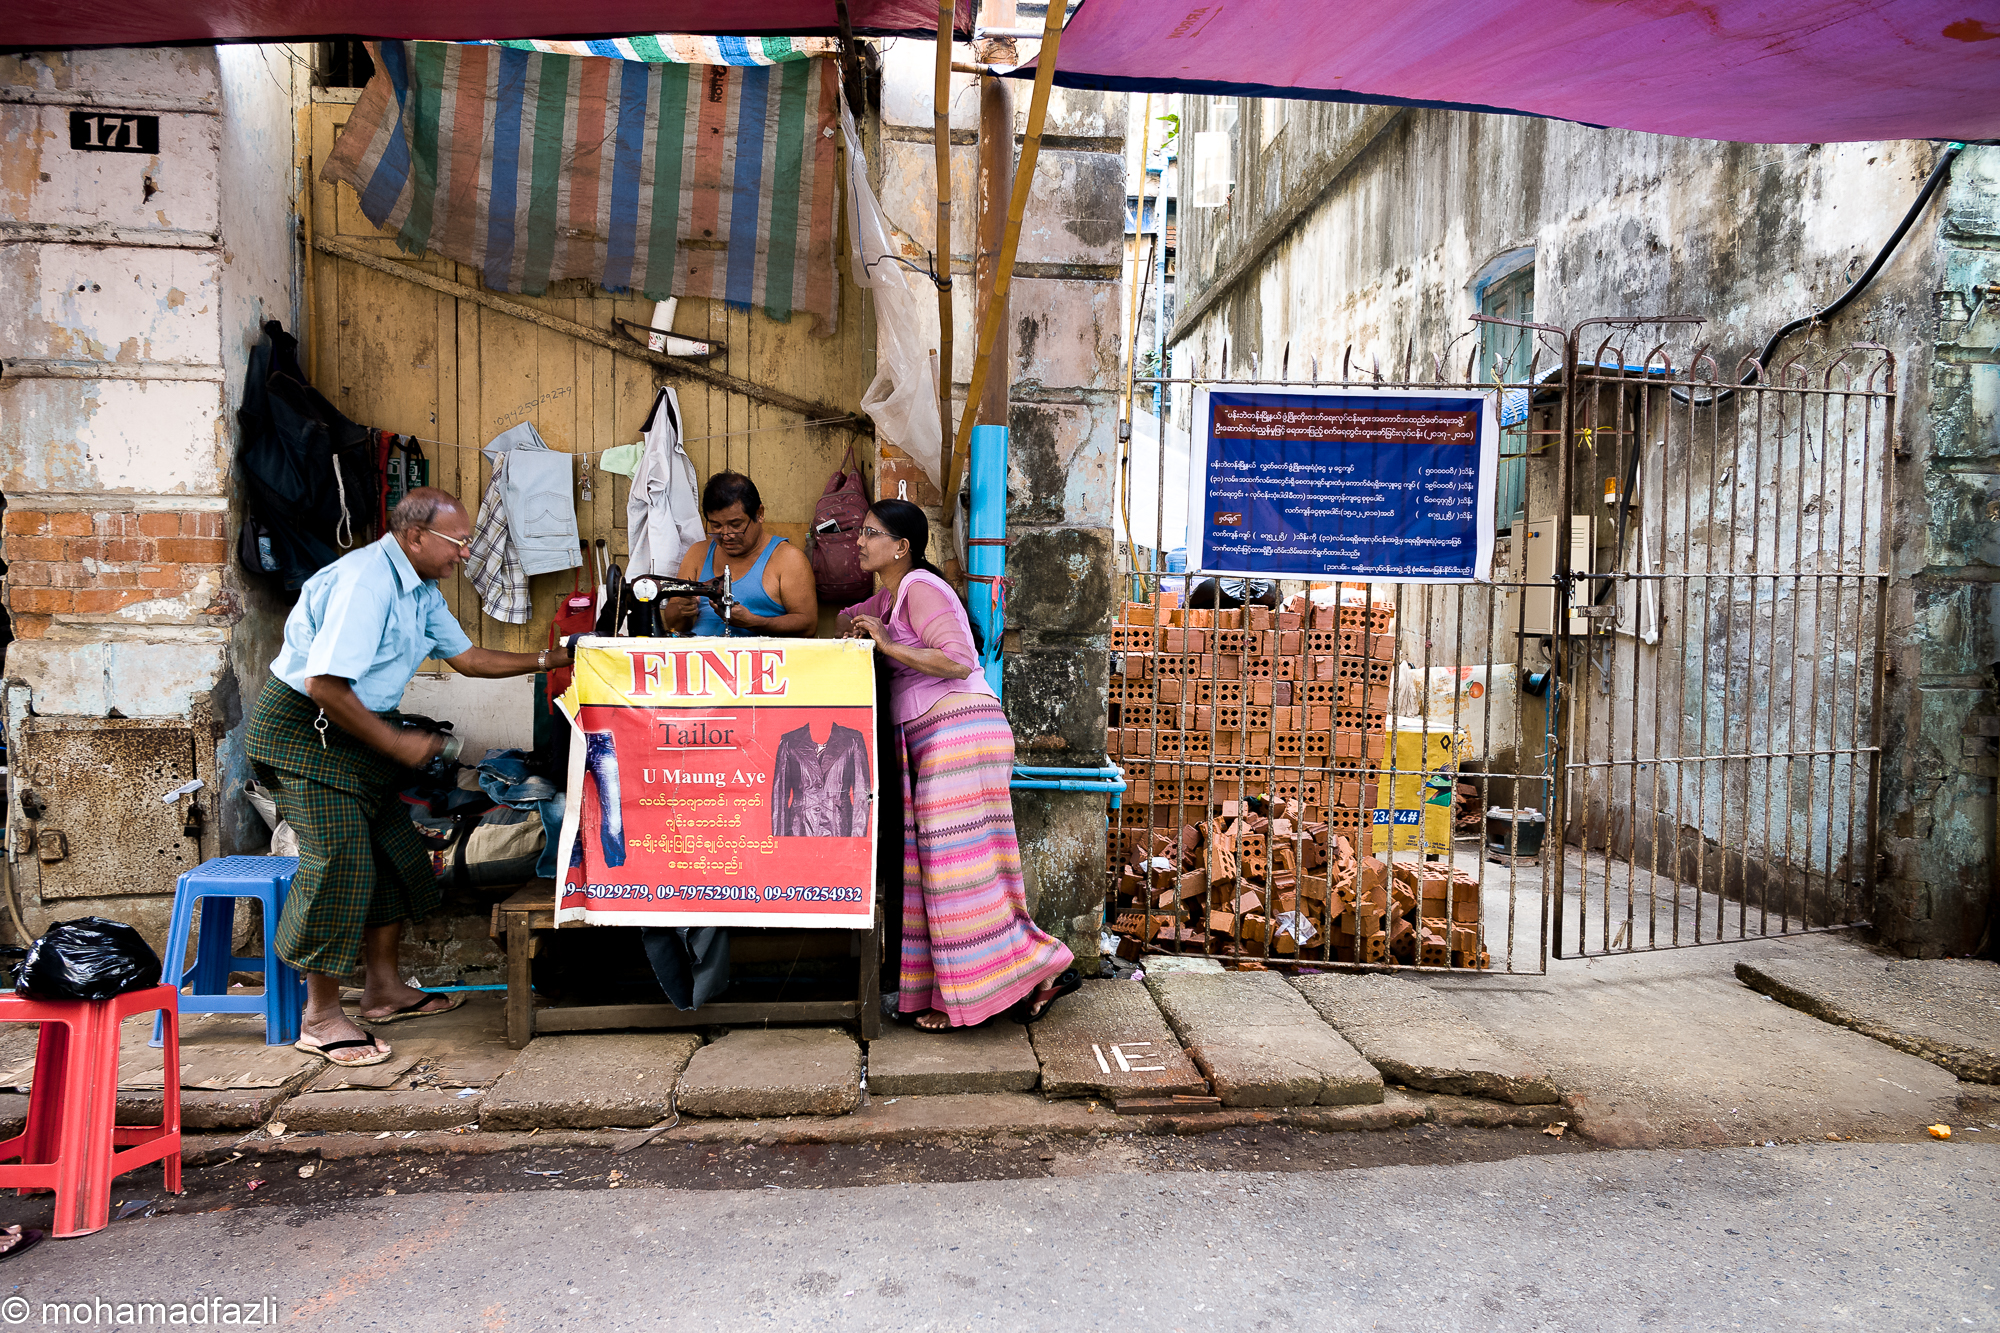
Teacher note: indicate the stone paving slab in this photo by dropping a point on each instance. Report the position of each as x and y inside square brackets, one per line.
[426, 1061]
[1421, 1040]
[589, 1081]
[1080, 1040]
[337, 1078]
[918, 1119]
[774, 1072]
[1261, 1044]
[466, 1048]
[907, 1061]
[1945, 1010]
[1480, 1112]
[986, 1116]
[233, 1108]
[366, 1110]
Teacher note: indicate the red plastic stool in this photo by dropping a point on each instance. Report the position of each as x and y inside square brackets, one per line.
[74, 1144]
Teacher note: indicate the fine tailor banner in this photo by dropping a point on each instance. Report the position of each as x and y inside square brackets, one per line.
[1357, 484]
[720, 782]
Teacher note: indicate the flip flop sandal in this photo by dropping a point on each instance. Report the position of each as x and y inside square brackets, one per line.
[24, 1239]
[327, 1050]
[417, 1010]
[1024, 1010]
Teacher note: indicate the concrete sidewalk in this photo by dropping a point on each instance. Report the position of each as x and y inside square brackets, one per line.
[1665, 1049]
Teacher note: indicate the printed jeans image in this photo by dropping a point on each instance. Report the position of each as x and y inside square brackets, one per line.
[600, 760]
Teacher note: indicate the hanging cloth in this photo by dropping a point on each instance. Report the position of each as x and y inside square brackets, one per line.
[540, 500]
[293, 443]
[663, 513]
[492, 565]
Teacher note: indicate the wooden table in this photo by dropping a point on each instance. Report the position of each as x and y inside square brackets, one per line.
[533, 908]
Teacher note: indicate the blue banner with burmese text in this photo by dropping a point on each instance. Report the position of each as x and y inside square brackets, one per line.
[720, 782]
[1351, 484]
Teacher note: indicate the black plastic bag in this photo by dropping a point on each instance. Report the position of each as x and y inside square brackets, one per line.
[90, 958]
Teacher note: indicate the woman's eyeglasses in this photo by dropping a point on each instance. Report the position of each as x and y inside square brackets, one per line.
[873, 532]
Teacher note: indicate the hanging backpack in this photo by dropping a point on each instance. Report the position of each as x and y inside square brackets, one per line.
[835, 545]
[309, 472]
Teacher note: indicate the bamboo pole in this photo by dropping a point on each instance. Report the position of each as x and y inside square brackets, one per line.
[1010, 243]
[941, 132]
[833, 417]
[996, 187]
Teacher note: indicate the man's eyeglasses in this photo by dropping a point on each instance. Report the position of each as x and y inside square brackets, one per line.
[733, 528]
[462, 543]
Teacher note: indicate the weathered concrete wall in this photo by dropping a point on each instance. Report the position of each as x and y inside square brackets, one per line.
[1938, 892]
[263, 88]
[1367, 227]
[1066, 311]
[141, 281]
[1358, 236]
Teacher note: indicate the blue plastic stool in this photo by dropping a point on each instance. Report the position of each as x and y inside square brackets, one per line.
[216, 885]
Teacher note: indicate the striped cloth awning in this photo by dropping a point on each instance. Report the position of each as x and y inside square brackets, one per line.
[665, 179]
[673, 48]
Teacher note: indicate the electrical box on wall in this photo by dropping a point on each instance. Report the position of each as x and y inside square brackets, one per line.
[1534, 546]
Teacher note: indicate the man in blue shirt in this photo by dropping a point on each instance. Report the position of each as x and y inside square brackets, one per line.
[325, 738]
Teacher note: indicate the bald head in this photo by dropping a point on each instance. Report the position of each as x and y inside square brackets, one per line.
[423, 508]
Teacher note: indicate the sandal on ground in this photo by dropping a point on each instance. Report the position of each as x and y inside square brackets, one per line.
[13, 1240]
[1032, 1006]
[417, 1010]
[327, 1050]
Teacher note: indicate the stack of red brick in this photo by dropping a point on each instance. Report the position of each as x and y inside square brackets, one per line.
[72, 564]
[1250, 740]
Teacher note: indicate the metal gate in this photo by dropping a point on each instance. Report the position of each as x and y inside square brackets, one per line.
[1721, 747]
[1674, 673]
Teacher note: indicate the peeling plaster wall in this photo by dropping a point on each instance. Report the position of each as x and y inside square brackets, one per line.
[1943, 739]
[140, 282]
[1067, 305]
[1357, 235]
[263, 90]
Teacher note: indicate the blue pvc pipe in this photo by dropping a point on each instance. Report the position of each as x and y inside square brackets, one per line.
[988, 521]
[1110, 778]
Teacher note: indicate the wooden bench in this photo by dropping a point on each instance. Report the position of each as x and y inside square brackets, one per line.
[533, 908]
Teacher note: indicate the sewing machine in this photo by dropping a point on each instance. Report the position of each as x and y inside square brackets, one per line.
[647, 591]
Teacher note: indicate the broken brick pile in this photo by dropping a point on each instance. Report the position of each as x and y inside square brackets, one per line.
[1251, 741]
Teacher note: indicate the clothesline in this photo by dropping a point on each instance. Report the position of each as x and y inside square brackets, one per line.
[595, 453]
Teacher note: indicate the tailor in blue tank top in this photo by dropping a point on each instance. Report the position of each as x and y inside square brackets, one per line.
[749, 591]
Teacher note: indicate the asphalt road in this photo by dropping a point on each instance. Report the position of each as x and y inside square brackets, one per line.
[1834, 1236]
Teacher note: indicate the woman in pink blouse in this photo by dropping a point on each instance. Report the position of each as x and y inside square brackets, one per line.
[970, 949]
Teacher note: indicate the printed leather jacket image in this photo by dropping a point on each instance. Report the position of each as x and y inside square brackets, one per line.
[821, 791]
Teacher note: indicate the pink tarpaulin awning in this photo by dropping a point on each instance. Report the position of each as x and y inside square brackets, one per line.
[54, 23]
[1758, 71]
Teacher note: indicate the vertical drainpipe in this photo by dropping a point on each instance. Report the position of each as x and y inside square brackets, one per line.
[988, 461]
[986, 552]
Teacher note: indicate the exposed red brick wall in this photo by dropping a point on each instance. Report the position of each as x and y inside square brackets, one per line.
[68, 563]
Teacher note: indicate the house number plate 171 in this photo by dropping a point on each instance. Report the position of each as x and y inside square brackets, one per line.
[109, 132]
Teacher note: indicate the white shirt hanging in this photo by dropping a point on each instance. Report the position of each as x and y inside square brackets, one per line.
[663, 516]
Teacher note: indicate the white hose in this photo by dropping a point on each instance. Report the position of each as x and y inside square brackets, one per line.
[13, 907]
[346, 523]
